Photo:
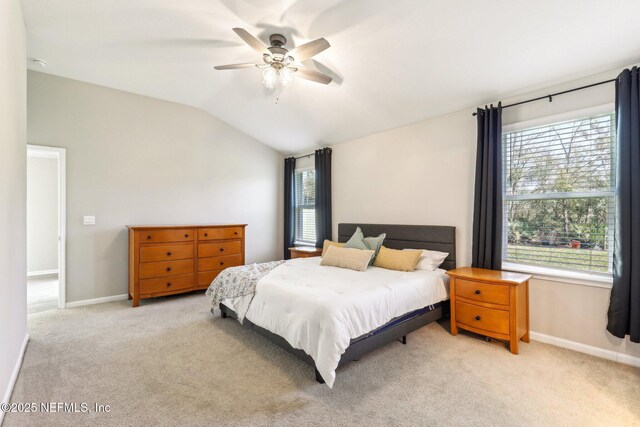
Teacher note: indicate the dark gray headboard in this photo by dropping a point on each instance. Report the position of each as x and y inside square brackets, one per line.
[433, 237]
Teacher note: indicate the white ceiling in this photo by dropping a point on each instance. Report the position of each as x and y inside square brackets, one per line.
[397, 61]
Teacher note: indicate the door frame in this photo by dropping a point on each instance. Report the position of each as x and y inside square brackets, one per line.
[61, 155]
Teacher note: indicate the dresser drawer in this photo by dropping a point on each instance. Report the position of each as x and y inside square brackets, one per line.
[166, 284]
[487, 319]
[231, 247]
[167, 235]
[219, 262]
[165, 269]
[220, 233]
[206, 277]
[151, 253]
[482, 292]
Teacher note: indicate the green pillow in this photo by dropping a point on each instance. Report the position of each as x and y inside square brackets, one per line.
[358, 241]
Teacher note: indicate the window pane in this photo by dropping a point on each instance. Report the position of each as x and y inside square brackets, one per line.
[305, 212]
[563, 157]
[565, 233]
[559, 186]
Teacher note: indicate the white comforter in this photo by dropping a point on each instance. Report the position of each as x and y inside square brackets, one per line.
[319, 309]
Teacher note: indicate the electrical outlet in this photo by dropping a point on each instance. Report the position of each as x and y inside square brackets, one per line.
[88, 220]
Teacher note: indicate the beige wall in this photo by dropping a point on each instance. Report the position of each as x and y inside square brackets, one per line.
[424, 174]
[137, 160]
[42, 213]
[13, 267]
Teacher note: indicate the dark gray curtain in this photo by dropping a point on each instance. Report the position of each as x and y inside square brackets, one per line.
[323, 196]
[289, 204]
[487, 206]
[624, 305]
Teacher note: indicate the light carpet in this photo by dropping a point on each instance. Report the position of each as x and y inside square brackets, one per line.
[170, 362]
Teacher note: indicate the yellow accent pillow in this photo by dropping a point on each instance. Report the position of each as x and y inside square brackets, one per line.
[353, 259]
[393, 259]
[327, 243]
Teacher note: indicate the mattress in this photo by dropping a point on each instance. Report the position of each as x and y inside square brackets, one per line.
[320, 309]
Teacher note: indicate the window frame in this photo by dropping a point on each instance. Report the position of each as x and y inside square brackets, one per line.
[581, 277]
[297, 242]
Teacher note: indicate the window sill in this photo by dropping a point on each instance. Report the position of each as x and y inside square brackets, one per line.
[563, 276]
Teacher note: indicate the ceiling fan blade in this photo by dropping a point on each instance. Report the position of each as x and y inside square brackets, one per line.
[308, 50]
[255, 44]
[314, 76]
[235, 66]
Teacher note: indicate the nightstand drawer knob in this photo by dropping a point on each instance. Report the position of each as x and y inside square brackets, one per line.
[478, 317]
[169, 254]
[477, 291]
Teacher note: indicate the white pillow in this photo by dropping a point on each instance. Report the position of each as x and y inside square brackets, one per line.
[430, 260]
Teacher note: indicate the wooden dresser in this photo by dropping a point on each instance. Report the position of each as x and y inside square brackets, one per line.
[166, 260]
[490, 303]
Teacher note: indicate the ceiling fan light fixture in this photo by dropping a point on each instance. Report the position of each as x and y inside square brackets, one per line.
[269, 76]
[273, 77]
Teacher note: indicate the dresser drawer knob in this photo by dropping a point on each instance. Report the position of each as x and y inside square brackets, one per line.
[186, 235]
[235, 232]
[477, 292]
[206, 234]
[221, 249]
[148, 236]
[169, 269]
[169, 285]
[221, 262]
[169, 254]
[478, 317]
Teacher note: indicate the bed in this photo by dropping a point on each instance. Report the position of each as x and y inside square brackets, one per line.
[328, 316]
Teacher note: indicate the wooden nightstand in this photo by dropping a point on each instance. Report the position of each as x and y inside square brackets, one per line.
[304, 251]
[490, 303]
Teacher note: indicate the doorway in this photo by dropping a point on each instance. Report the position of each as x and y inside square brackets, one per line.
[46, 234]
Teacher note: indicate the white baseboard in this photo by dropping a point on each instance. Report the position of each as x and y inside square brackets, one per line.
[14, 375]
[96, 300]
[588, 349]
[42, 273]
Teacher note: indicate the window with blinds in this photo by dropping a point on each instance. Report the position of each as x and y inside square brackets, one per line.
[305, 207]
[559, 194]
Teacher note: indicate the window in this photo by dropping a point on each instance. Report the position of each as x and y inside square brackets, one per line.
[559, 194]
[305, 211]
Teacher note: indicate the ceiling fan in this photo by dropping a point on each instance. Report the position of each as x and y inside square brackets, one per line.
[279, 64]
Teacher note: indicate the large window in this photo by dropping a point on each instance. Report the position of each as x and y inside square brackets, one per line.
[305, 211]
[559, 194]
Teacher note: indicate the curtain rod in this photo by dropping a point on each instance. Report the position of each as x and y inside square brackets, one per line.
[309, 155]
[550, 96]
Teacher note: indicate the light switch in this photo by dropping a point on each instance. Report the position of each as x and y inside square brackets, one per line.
[88, 220]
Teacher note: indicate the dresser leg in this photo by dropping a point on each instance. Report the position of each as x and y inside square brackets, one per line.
[525, 337]
[513, 345]
[135, 302]
[130, 297]
[454, 328]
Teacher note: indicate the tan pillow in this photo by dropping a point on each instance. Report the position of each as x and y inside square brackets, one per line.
[327, 243]
[353, 259]
[392, 259]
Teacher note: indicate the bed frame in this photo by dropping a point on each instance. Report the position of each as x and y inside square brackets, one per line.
[433, 237]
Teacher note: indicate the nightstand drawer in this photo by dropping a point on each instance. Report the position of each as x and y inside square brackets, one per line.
[482, 292]
[487, 319]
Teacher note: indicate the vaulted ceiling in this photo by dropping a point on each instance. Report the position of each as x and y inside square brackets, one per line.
[393, 62]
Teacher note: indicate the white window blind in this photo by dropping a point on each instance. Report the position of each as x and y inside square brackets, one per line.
[305, 207]
[559, 194]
